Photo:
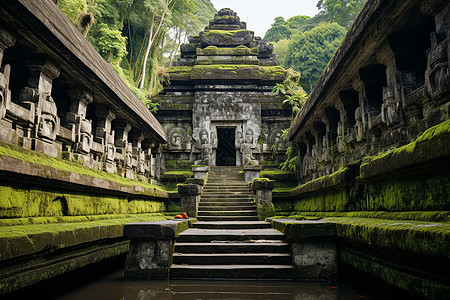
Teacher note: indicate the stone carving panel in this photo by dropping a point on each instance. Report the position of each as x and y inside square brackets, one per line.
[437, 75]
[247, 148]
[179, 139]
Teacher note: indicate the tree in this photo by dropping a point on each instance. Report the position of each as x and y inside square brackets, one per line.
[278, 31]
[309, 52]
[280, 48]
[343, 12]
[138, 37]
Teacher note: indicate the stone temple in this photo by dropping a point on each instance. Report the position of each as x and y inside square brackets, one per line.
[217, 105]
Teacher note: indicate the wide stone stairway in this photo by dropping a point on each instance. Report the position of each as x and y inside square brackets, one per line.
[228, 241]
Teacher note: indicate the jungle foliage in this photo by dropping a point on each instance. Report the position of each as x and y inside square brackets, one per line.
[307, 44]
[139, 38]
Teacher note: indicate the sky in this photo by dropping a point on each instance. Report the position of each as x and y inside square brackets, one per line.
[260, 14]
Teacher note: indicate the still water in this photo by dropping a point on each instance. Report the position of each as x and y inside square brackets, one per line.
[106, 283]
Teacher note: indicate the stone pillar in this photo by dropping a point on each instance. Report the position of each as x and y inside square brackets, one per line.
[190, 198]
[313, 248]
[251, 172]
[76, 118]
[151, 248]
[124, 149]
[263, 190]
[201, 172]
[104, 135]
[38, 95]
[6, 41]
[156, 161]
[137, 137]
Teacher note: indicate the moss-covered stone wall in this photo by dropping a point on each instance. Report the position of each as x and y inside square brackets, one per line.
[414, 177]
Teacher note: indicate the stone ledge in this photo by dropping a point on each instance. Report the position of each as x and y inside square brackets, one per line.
[157, 230]
[21, 240]
[42, 267]
[424, 238]
[30, 166]
[431, 149]
[295, 230]
[338, 180]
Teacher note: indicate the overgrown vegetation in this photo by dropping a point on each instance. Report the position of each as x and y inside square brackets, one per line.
[139, 38]
[296, 99]
[307, 44]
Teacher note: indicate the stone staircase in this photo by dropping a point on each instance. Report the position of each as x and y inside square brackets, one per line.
[228, 241]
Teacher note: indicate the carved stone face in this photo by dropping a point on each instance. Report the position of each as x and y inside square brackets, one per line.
[176, 139]
[249, 136]
[47, 125]
[204, 137]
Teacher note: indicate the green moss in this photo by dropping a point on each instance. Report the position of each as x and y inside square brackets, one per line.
[210, 50]
[179, 164]
[181, 69]
[40, 159]
[432, 144]
[428, 216]
[21, 203]
[28, 239]
[430, 239]
[330, 200]
[180, 173]
[265, 210]
[278, 175]
[223, 71]
[429, 193]
[229, 33]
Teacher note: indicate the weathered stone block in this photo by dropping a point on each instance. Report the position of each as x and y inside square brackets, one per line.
[190, 198]
[251, 172]
[163, 230]
[315, 260]
[149, 259]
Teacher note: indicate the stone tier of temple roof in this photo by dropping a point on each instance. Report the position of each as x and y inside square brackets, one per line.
[225, 50]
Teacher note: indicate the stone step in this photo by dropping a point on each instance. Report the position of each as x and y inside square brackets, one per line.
[228, 181]
[272, 246]
[245, 206]
[232, 258]
[228, 213]
[232, 225]
[232, 235]
[226, 193]
[223, 196]
[231, 271]
[238, 184]
[226, 189]
[227, 203]
[227, 218]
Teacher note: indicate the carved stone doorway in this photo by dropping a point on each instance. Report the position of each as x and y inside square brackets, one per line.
[226, 149]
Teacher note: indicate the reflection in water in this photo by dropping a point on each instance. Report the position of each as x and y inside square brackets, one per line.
[177, 289]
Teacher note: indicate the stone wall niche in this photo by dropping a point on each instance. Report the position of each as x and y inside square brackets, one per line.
[374, 79]
[38, 95]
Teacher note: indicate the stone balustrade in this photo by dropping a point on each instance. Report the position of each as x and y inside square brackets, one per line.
[151, 248]
[262, 188]
[190, 198]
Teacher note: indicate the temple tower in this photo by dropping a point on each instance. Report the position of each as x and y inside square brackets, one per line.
[217, 105]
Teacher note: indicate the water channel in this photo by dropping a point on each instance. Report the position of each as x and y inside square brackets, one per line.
[105, 282]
